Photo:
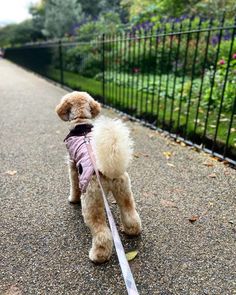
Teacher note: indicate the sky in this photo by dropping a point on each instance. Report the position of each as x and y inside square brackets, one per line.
[14, 11]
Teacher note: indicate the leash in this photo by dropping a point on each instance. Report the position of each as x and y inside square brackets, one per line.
[124, 265]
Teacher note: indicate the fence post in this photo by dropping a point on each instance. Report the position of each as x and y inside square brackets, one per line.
[61, 63]
[103, 68]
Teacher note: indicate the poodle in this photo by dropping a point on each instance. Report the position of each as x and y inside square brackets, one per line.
[112, 149]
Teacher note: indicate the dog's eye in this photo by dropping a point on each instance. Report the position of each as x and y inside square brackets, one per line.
[80, 169]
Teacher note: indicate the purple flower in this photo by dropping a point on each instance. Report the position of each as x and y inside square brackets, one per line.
[234, 56]
[177, 20]
[214, 40]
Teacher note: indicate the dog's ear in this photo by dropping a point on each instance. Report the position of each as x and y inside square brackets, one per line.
[63, 110]
[95, 108]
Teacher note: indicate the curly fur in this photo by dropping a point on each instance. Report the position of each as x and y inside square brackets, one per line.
[112, 145]
[113, 150]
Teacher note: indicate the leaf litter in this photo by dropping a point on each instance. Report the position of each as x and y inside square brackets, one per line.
[131, 255]
[11, 172]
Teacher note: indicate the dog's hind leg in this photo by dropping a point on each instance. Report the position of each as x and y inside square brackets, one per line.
[122, 192]
[75, 193]
[95, 218]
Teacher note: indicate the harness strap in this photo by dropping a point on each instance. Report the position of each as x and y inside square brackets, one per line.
[125, 268]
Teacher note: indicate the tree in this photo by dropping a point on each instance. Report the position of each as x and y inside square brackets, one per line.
[19, 33]
[38, 15]
[60, 15]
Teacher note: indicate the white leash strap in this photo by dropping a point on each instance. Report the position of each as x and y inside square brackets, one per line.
[126, 271]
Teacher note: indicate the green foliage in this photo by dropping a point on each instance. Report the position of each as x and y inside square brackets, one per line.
[19, 34]
[213, 96]
[60, 16]
[84, 59]
[152, 11]
[94, 8]
[208, 7]
[108, 23]
[38, 15]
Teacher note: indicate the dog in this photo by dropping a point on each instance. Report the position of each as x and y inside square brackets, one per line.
[112, 148]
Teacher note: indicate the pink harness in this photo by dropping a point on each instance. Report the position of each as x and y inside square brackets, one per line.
[75, 143]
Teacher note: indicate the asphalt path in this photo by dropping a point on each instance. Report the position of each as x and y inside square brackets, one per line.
[186, 201]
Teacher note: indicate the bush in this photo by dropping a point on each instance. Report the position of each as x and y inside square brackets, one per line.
[220, 84]
[84, 59]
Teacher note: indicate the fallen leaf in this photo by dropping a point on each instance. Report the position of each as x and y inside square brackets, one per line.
[208, 164]
[194, 218]
[167, 203]
[215, 159]
[136, 155]
[212, 175]
[167, 154]
[131, 255]
[170, 164]
[11, 172]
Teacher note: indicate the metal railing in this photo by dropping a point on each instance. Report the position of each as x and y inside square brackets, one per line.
[180, 78]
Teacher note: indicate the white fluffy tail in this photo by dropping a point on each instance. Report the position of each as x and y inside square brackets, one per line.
[112, 146]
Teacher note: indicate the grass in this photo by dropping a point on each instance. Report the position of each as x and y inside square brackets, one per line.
[155, 103]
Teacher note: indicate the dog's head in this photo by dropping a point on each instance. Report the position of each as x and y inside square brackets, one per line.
[78, 107]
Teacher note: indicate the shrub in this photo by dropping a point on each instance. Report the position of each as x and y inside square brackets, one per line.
[220, 84]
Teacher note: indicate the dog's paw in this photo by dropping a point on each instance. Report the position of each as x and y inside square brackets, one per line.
[132, 224]
[74, 199]
[102, 247]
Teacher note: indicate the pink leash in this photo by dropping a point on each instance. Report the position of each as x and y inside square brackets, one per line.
[126, 271]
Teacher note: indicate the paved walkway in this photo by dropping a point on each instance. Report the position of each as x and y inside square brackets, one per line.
[44, 242]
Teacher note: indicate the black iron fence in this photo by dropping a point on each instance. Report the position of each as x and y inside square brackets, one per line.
[180, 77]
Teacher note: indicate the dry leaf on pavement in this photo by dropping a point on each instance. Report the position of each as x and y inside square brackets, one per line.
[167, 154]
[131, 255]
[170, 164]
[11, 172]
[208, 164]
[194, 218]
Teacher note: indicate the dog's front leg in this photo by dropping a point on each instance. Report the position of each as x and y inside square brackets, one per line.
[75, 193]
[95, 218]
